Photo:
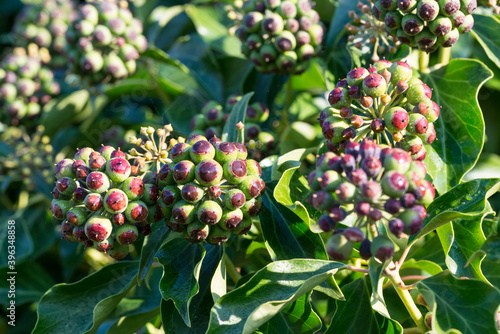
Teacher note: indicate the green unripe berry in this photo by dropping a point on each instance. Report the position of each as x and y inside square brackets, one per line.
[440, 26]
[392, 20]
[382, 248]
[136, 211]
[234, 199]
[396, 119]
[60, 208]
[449, 7]
[192, 192]
[285, 41]
[417, 124]
[119, 252]
[183, 213]
[98, 228]
[417, 93]
[427, 10]
[244, 226]
[133, 187]
[217, 235]
[184, 172]
[252, 207]
[397, 160]
[374, 85]
[394, 184]
[115, 201]
[209, 212]
[339, 248]
[425, 40]
[235, 171]
[202, 151]
[208, 173]
[126, 234]
[231, 220]
[77, 215]
[252, 186]
[197, 231]
[400, 71]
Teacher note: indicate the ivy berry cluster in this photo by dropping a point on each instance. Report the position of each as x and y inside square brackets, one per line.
[280, 36]
[210, 190]
[104, 42]
[213, 117]
[26, 85]
[103, 200]
[426, 24]
[367, 186]
[45, 24]
[383, 101]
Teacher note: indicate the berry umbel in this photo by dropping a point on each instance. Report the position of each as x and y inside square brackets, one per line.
[389, 105]
[371, 186]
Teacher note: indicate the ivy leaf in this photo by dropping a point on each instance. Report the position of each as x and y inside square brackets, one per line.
[466, 305]
[82, 306]
[152, 244]
[181, 264]
[339, 20]
[377, 299]
[355, 314]
[199, 308]
[491, 248]
[460, 240]
[467, 200]
[287, 235]
[460, 127]
[423, 265]
[218, 284]
[268, 292]
[230, 131]
[485, 30]
[298, 317]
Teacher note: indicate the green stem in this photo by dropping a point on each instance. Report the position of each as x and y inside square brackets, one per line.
[288, 103]
[423, 61]
[231, 270]
[414, 330]
[407, 300]
[444, 56]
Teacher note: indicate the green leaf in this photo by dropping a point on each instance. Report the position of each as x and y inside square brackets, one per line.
[268, 292]
[23, 243]
[339, 20]
[152, 243]
[377, 281]
[460, 240]
[355, 314]
[488, 166]
[181, 264]
[287, 235]
[312, 80]
[466, 305]
[467, 200]
[230, 131]
[180, 112]
[491, 248]
[298, 317]
[199, 308]
[87, 302]
[31, 282]
[289, 160]
[460, 127]
[133, 323]
[218, 284]
[423, 265]
[485, 30]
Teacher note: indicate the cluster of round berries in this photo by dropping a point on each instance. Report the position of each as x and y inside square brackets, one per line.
[25, 85]
[366, 29]
[491, 3]
[103, 201]
[29, 156]
[213, 116]
[426, 24]
[104, 43]
[45, 24]
[280, 36]
[372, 185]
[384, 99]
[210, 189]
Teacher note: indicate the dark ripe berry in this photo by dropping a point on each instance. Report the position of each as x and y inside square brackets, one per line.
[98, 228]
[93, 202]
[165, 175]
[394, 184]
[346, 112]
[214, 192]
[407, 6]
[412, 221]
[145, 230]
[357, 177]
[225, 152]
[174, 226]
[179, 152]
[82, 172]
[96, 161]
[76, 216]
[118, 169]
[66, 228]
[170, 195]
[252, 131]
[389, 4]
[339, 248]
[77, 163]
[371, 191]
[151, 194]
[234, 199]
[208, 173]
[426, 40]
[397, 227]
[362, 208]
[375, 215]
[56, 194]
[126, 234]
[327, 223]
[79, 234]
[321, 200]
[364, 249]
[378, 12]
[183, 212]
[374, 85]
[215, 141]
[348, 163]
[354, 93]
[136, 211]
[338, 214]
[118, 219]
[183, 172]
[339, 97]
[371, 166]
[392, 206]
[192, 192]
[272, 24]
[252, 207]
[356, 76]
[133, 187]
[407, 200]
[209, 212]
[353, 148]
[341, 83]
[368, 148]
[348, 134]
[427, 10]
[64, 169]
[377, 125]
[97, 182]
[392, 20]
[412, 24]
[422, 212]
[354, 234]
[382, 248]
[115, 201]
